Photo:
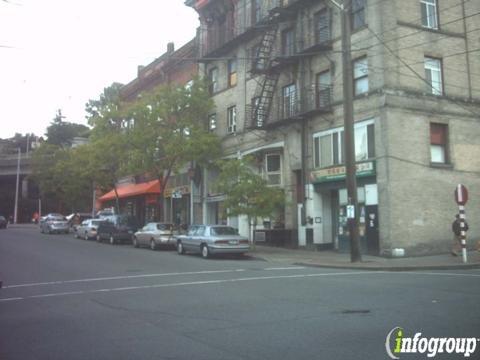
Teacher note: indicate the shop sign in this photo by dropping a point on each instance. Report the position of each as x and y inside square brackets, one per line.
[340, 172]
[176, 192]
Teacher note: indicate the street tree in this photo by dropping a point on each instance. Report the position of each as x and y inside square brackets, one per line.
[247, 192]
[168, 130]
[109, 150]
[61, 133]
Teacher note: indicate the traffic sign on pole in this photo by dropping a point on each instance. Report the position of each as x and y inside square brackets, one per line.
[461, 194]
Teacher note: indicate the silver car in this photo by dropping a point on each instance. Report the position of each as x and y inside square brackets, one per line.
[154, 235]
[54, 223]
[87, 229]
[212, 239]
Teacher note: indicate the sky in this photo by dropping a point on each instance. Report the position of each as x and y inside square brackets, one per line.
[58, 54]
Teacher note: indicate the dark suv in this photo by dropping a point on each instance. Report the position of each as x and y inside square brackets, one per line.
[115, 228]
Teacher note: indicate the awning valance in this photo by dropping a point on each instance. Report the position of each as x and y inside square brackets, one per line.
[124, 191]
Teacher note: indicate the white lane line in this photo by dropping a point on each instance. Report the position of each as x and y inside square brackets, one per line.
[285, 268]
[121, 278]
[191, 283]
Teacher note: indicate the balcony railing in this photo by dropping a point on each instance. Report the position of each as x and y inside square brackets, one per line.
[216, 32]
[295, 105]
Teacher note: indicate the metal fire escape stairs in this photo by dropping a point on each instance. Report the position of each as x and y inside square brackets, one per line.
[265, 91]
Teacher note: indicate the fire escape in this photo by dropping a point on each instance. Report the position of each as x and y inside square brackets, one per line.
[269, 67]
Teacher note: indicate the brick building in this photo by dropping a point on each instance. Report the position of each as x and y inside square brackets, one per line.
[276, 79]
[139, 195]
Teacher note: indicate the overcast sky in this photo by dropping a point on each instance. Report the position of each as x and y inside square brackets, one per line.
[57, 54]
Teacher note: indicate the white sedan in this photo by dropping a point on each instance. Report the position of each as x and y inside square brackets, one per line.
[155, 234]
[87, 229]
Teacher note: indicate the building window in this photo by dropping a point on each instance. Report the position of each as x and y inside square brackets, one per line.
[288, 42]
[289, 97]
[232, 119]
[232, 72]
[323, 88]
[213, 78]
[273, 169]
[258, 112]
[429, 13]
[438, 143]
[360, 75]
[322, 26]
[257, 13]
[212, 122]
[358, 13]
[328, 145]
[433, 75]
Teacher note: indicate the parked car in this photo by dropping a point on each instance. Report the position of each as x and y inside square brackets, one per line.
[116, 228]
[88, 229]
[54, 223]
[155, 234]
[76, 219]
[212, 239]
[3, 222]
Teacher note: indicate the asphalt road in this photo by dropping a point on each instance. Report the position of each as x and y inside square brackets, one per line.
[64, 298]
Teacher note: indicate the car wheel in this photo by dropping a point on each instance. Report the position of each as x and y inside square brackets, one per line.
[205, 252]
[112, 240]
[180, 249]
[86, 236]
[99, 239]
[135, 242]
[153, 245]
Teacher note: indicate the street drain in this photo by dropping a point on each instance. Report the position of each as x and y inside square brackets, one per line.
[358, 311]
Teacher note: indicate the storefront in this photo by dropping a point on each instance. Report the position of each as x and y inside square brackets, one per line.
[329, 185]
[177, 205]
[139, 200]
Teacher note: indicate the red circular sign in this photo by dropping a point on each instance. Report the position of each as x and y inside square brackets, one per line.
[461, 194]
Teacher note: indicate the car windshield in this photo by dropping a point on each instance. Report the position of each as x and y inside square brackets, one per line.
[164, 226]
[96, 222]
[223, 230]
[56, 218]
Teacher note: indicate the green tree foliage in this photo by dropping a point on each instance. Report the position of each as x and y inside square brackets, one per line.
[169, 130]
[63, 176]
[247, 192]
[109, 147]
[61, 133]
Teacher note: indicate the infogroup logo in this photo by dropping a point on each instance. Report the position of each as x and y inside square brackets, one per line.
[397, 343]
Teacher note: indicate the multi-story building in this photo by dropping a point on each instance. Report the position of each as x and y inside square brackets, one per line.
[140, 195]
[275, 69]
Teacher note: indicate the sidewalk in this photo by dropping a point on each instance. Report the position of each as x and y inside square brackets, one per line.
[333, 259]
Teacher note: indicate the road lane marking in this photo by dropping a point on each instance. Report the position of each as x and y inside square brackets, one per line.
[121, 278]
[190, 283]
[285, 268]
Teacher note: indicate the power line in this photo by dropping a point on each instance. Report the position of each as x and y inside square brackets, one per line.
[418, 75]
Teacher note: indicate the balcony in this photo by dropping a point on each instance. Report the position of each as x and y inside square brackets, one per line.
[292, 107]
[221, 31]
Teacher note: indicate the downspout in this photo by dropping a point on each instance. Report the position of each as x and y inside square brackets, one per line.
[467, 52]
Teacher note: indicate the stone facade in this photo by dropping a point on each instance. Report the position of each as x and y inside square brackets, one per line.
[407, 202]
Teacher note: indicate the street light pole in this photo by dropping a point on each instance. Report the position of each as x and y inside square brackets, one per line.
[15, 212]
[349, 146]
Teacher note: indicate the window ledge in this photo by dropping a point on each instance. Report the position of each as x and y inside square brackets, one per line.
[441, 166]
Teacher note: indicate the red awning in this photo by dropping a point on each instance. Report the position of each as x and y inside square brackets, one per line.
[150, 187]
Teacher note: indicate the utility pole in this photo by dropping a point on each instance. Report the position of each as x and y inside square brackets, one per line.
[15, 212]
[349, 146]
